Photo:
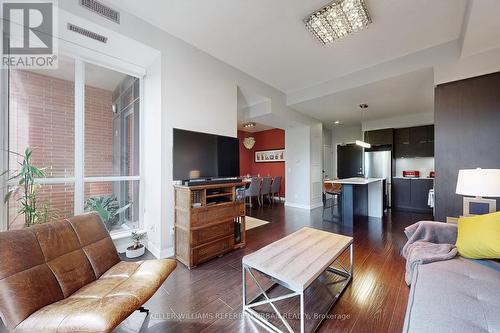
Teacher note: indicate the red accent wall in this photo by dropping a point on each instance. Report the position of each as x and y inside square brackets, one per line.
[265, 140]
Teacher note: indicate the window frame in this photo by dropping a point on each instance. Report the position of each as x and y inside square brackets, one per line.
[79, 179]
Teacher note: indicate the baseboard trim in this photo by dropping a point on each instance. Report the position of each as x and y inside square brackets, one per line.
[167, 253]
[160, 254]
[316, 205]
[301, 206]
[153, 249]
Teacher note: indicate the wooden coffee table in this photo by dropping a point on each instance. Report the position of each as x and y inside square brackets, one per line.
[295, 262]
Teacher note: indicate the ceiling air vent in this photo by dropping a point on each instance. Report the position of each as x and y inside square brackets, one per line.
[101, 9]
[87, 33]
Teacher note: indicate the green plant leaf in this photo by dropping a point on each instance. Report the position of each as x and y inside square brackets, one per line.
[124, 208]
[7, 196]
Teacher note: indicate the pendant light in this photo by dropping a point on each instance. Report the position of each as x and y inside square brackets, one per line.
[359, 142]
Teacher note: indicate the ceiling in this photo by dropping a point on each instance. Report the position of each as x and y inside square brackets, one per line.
[268, 39]
[391, 66]
[483, 26]
[258, 127]
[404, 94]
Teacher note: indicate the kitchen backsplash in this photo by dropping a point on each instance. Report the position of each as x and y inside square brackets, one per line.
[423, 164]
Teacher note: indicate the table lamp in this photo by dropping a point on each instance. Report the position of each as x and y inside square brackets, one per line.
[475, 184]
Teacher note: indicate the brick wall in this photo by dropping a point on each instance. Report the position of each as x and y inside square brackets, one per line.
[41, 116]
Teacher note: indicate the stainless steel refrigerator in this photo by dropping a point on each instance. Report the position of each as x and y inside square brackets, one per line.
[378, 164]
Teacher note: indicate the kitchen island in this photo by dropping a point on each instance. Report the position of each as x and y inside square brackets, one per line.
[360, 197]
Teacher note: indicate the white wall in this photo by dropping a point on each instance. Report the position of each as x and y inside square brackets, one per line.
[327, 151]
[343, 134]
[316, 162]
[298, 167]
[198, 92]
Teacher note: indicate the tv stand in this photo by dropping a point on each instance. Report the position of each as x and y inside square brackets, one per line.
[209, 221]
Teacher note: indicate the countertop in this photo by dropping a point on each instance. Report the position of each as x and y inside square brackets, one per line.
[355, 181]
[413, 178]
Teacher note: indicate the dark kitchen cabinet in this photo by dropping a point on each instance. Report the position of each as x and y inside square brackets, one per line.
[411, 195]
[381, 137]
[414, 142]
[402, 142]
[401, 193]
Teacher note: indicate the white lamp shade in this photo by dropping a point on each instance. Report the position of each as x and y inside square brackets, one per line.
[479, 182]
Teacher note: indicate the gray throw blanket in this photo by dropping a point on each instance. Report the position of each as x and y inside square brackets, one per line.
[428, 242]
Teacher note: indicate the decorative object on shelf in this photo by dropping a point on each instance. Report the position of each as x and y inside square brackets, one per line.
[31, 207]
[479, 183]
[337, 20]
[193, 174]
[275, 155]
[108, 208]
[137, 249]
[249, 142]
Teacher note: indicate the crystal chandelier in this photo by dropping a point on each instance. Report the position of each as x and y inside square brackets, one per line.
[338, 19]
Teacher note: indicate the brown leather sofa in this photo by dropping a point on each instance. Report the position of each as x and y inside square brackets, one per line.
[67, 277]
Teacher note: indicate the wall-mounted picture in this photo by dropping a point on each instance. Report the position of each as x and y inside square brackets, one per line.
[276, 155]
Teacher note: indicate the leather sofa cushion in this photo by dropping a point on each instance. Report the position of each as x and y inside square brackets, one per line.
[20, 250]
[64, 256]
[101, 305]
[56, 239]
[95, 242]
[72, 271]
[23, 293]
[26, 282]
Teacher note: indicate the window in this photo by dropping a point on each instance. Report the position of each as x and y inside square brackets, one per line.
[82, 122]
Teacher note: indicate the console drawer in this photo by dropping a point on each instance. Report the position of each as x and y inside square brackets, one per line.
[208, 234]
[212, 250]
[206, 215]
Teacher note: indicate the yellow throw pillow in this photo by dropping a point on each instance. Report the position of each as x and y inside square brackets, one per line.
[479, 236]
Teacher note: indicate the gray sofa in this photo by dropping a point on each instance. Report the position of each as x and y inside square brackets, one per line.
[457, 295]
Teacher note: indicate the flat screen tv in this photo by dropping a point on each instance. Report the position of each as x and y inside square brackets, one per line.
[214, 156]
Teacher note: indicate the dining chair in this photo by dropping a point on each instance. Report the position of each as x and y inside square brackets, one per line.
[335, 192]
[253, 190]
[265, 189]
[275, 188]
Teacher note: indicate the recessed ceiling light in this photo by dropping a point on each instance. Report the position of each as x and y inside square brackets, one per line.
[338, 19]
[248, 125]
[336, 122]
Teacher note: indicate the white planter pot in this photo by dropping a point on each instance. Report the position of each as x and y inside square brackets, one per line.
[131, 253]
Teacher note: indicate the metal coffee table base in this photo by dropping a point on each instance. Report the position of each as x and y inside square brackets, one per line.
[347, 273]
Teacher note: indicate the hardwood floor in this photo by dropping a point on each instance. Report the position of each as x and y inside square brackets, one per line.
[208, 298]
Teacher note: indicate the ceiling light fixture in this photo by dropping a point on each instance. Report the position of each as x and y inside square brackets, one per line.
[337, 20]
[336, 122]
[359, 142]
[248, 125]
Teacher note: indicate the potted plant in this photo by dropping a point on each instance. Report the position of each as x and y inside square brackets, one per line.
[108, 209]
[34, 210]
[137, 249]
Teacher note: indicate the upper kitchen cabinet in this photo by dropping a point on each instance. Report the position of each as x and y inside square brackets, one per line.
[402, 142]
[381, 137]
[414, 141]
